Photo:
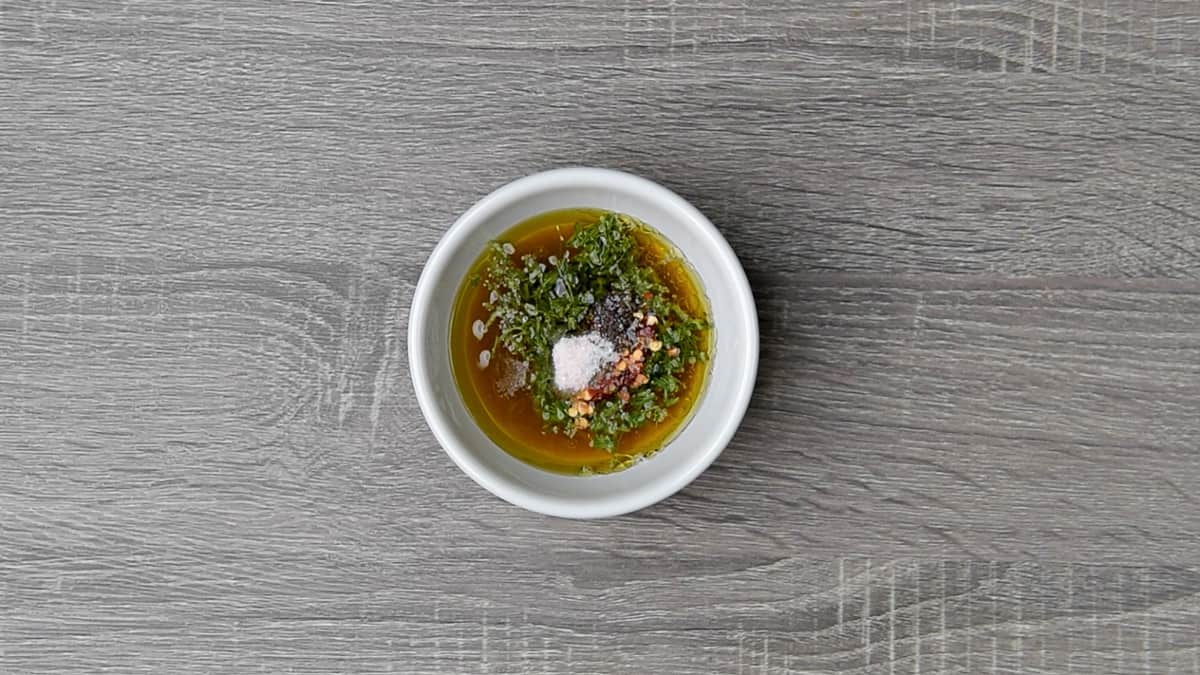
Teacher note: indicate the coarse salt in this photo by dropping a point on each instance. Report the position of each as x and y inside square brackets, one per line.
[578, 358]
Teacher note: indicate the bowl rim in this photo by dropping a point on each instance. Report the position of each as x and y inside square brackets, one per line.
[501, 485]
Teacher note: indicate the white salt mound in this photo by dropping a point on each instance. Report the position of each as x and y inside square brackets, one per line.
[578, 358]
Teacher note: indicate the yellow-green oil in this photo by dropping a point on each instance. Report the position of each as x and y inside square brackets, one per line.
[512, 422]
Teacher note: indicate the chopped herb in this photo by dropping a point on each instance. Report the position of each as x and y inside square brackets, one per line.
[536, 302]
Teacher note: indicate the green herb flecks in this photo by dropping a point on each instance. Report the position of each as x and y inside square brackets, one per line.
[534, 302]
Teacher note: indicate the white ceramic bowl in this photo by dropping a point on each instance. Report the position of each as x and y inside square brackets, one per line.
[730, 380]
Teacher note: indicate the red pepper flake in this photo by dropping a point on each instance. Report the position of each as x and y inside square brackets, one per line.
[626, 373]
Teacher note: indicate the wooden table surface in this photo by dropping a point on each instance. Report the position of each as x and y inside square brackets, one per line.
[973, 230]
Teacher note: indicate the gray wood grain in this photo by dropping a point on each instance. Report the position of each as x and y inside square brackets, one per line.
[973, 230]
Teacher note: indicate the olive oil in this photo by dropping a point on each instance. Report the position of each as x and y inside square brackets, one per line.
[511, 419]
